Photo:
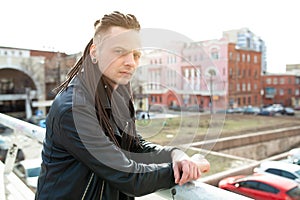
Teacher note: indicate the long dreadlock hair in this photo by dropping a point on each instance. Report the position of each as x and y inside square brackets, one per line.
[128, 21]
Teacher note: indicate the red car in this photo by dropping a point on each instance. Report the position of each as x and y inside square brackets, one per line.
[262, 187]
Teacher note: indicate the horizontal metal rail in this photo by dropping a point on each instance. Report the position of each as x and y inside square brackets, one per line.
[18, 190]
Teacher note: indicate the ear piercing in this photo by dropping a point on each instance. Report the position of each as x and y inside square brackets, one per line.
[94, 61]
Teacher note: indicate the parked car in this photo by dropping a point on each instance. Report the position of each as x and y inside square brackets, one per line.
[28, 171]
[157, 108]
[194, 108]
[294, 156]
[5, 144]
[276, 108]
[175, 107]
[284, 169]
[252, 110]
[262, 187]
[288, 111]
[238, 110]
[266, 112]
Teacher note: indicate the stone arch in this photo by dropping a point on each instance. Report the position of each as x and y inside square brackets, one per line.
[36, 76]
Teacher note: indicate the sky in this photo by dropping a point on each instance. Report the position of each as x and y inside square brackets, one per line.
[67, 25]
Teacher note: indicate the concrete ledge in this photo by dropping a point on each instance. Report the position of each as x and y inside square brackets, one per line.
[247, 139]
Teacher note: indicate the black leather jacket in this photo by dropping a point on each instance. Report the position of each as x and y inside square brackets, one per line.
[80, 162]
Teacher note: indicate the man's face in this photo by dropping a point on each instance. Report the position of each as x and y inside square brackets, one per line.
[118, 55]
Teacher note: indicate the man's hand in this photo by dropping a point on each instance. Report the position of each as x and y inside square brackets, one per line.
[187, 169]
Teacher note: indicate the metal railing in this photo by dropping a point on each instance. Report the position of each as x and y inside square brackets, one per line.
[11, 187]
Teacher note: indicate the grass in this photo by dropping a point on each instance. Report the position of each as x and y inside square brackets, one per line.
[187, 129]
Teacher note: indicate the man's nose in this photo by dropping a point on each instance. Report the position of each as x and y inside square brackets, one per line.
[130, 60]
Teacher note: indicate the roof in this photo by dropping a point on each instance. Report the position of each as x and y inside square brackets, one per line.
[280, 165]
[274, 180]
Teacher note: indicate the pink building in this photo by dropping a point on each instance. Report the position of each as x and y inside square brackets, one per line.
[194, 74]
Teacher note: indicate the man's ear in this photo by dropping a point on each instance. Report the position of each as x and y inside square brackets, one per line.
[93, 51]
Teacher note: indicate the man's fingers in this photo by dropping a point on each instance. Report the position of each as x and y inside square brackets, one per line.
[176, 172]
[185, 172]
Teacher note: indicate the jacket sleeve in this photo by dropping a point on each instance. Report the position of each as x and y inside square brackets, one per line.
[155, 153]
[82, 136]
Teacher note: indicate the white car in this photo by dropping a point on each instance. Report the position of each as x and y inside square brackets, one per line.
[280, 168]
[294, 156]
[28, 171]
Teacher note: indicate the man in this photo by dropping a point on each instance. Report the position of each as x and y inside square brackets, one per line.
[92, 149]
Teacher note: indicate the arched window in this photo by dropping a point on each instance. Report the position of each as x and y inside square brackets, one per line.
[214, 54]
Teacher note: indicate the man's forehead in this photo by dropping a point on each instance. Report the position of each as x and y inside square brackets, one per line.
[129, 39]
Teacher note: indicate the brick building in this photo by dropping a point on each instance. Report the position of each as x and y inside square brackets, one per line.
[281, 89]
[244, 77]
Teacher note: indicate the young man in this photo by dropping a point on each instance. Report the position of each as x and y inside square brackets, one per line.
[92, 149]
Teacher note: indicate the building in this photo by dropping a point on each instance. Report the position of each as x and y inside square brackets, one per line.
[212, 73]
[244, 77]
[245, 39]
[282, 89]
[29, 76]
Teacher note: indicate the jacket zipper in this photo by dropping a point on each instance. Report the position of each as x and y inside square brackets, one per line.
[88, 185]
[102, 188]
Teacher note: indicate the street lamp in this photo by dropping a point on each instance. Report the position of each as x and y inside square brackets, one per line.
[211, 73]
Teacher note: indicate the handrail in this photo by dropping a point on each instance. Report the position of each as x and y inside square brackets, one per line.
[33, 131]
[195, 190]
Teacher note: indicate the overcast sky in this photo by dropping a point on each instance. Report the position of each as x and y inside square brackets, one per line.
[67, 25]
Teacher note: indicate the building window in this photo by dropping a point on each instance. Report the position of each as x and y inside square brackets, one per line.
[153, 99]
[243, 57]
[249, 87]
[268, 81]
[275, 81]
[230, 55]
[238, 87]
[214, 54]
[297, 92]
[249, 100]
[243, 87]
[248, 58]
[289, 91]
[281, 92]
[281, 81]
[255, 59]
[255, 74]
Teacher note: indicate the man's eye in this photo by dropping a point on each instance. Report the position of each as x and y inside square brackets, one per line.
[137, 54]
[119, 51]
